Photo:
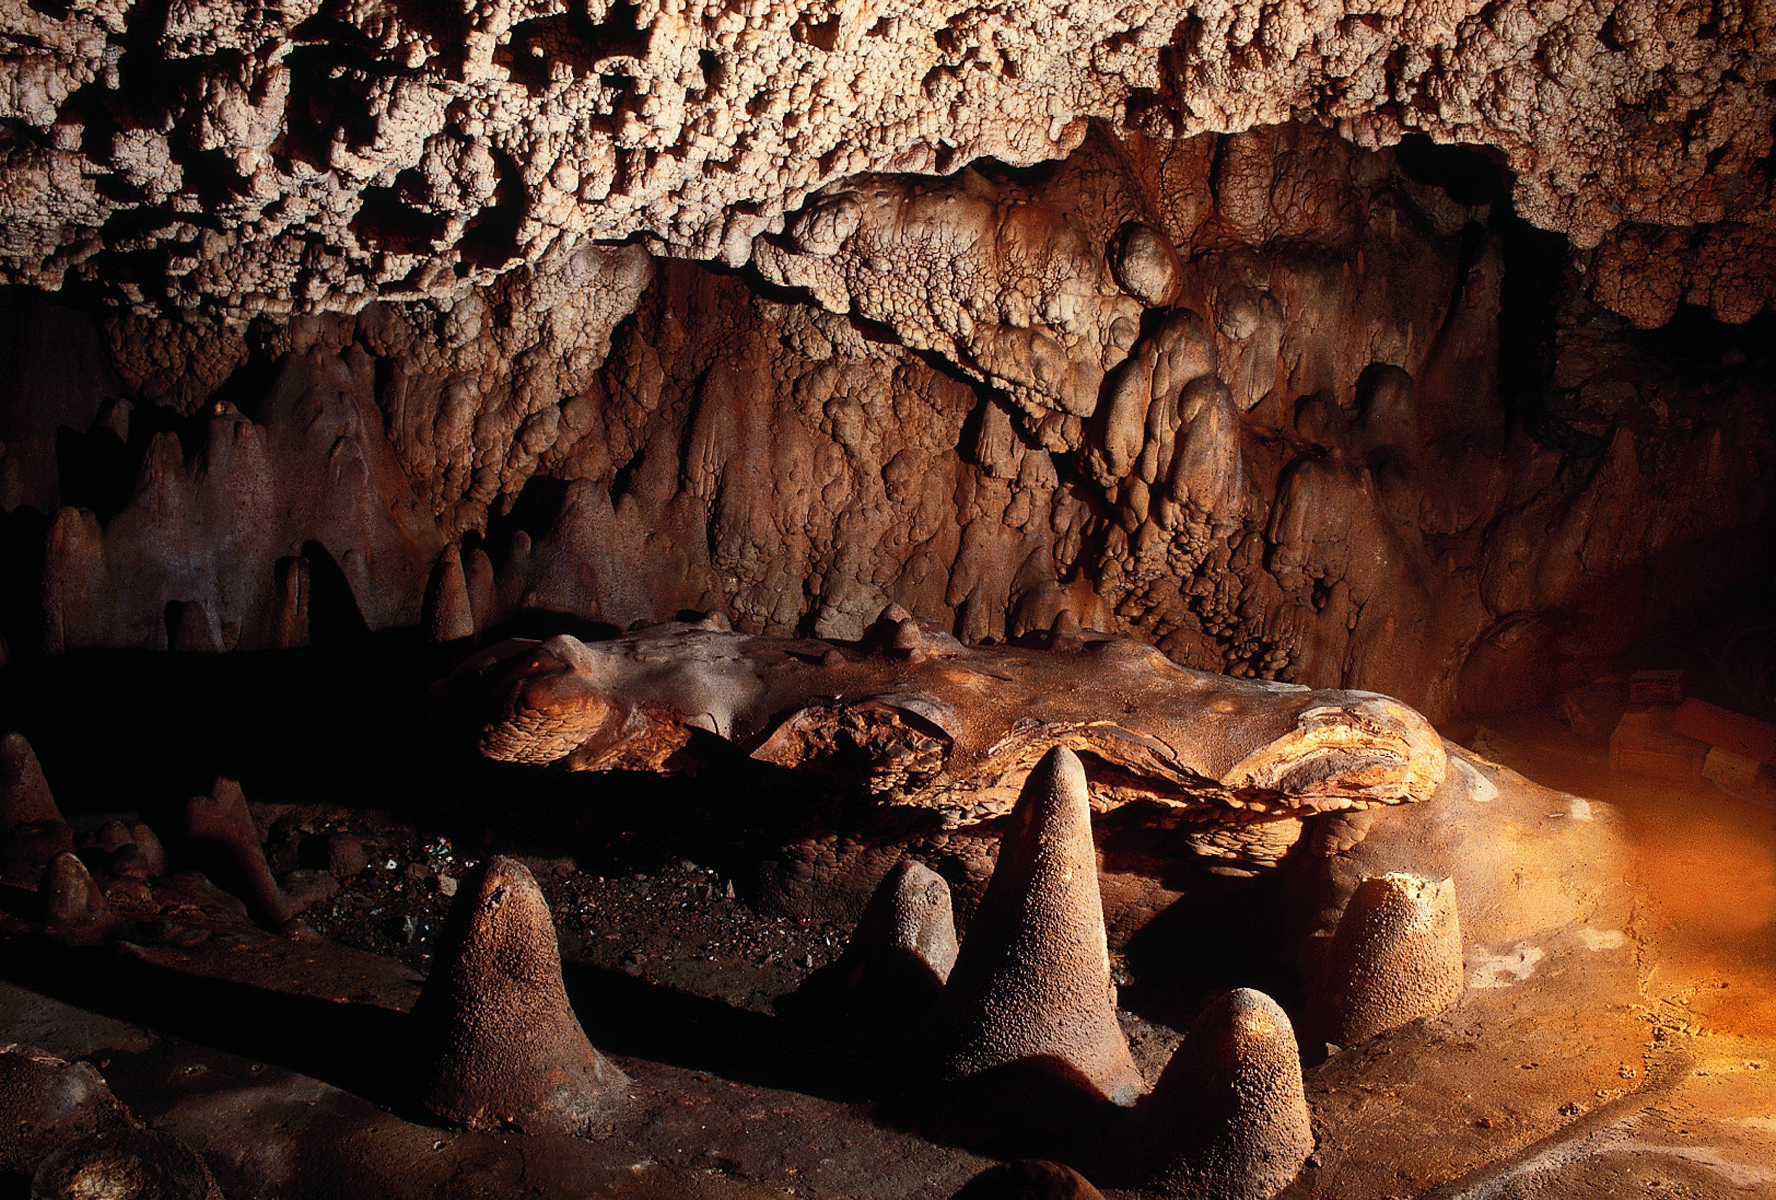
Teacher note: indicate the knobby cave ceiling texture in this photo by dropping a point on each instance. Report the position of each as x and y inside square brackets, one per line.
[1420, 347]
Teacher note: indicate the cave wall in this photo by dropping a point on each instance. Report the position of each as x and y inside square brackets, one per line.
[1281, 404]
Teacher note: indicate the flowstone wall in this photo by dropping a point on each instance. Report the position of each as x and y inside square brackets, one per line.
[1173, 318]
[1282, 405]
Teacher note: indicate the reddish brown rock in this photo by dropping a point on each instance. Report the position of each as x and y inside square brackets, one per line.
[24, 792]
[1031, 984]
[70, 895]
[125, 1162]
[45, 1103]
[499, 1045]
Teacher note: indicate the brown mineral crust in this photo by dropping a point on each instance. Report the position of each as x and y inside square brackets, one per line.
[46, 1102]
[1395, 956]
[1228, 1117]
[1029, 1179]
[499, 1046]
[451, 151]
[1031, 984]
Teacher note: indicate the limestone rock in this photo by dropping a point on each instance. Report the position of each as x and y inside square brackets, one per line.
[498, 1044]
[1032, 982]
[1240, 762]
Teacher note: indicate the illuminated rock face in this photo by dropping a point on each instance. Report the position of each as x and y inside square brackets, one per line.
[363, 282]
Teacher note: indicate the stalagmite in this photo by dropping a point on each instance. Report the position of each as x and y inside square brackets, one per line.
[1395, 956]
[70, 895]
[24, 792]
[498, 1043]
[221, 838]
[1228, 1118]
[448, 615]
[1032, 981]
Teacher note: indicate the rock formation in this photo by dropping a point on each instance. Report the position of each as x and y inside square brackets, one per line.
[125, 1162]
[1031, 985]
[1029, 1179]
[1395, 956]
[497, 1044]
[915, 718]
[1228, 1119]
[221, 838]
[905, 941]
[319, 159]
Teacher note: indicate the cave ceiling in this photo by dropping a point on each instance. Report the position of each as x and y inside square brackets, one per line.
[1411, 346]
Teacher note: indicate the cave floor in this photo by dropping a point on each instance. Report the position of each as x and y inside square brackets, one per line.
[1649, 1071]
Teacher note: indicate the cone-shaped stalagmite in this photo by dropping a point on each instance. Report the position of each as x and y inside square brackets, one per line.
[448, 615]
[24, 792]
[224, 842]
[1228, 1118]
[1029, 1179]
[907, 931]
[499, 1044]
[1395, 956]
[70, 895]
[1032, 982]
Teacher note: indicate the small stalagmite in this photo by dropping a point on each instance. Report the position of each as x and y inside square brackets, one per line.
[1395, 956]
[24, 792]
[908, 927]
[1228, 1118]
[222, 840]
[498, 1044]
[1032, 981]
[70, 894]
[1029, 1179]
[902, 951]
[448, 614]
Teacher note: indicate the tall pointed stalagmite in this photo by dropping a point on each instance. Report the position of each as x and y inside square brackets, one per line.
[1032, 981]
[1228, 1118]
[499, 1045]
[447, 615]
[1395, 956]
